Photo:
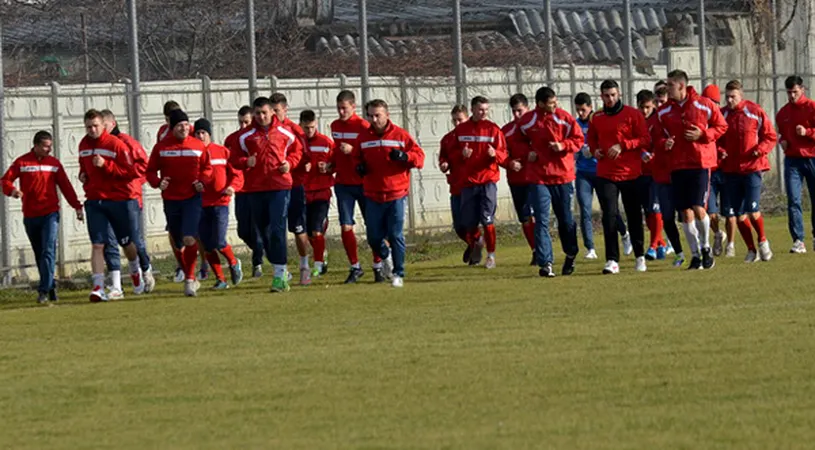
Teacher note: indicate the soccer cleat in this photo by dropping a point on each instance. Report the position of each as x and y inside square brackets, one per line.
[651, 254]
[591, 254]
[203, 274]
[478, 252]
[280, 284]
[751, 257]
[387, 267]
[730, 250]
[316, 272]
[257, 271]
[568, 266]
[42, 298]
[669, 249]
[220, 285]
[661, 252]
[98, 295]
[718, 240]
[707, 259]
[490, 264]
[138, 283]
[695, 263]
[236, 272]
[149, 281]
[798, 247]
[379, 277]
[547, 271]
[191, 287]
[115, 294]
[468, 253]
[640, 265]
[627, 247]
[764, 250]
[179, 275]
[305, 277]
[679, 260]
[397, 281]
[534, 261]
[52, 295]
[354, 275]
[611, 268]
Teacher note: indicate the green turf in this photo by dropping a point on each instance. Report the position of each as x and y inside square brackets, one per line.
[460, 358]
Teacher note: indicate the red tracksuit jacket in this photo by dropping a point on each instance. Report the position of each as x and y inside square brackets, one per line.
[661, 164]
[790, 116]
[449, 153]
[231, 143]
[675, 119]
[271, 147]
[541, 128]
[626, 128]
[39, 179]
[518, 148]
[650, 122]
[386, 180]
[749, 130]
[318, 185]
[139, 157]
[480, 168]
[184, 162]
[223, 176]
[347, 131]
[298, 174]
[111, 181]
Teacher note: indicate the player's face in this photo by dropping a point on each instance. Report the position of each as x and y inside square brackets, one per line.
[378, 117]
[94, 128]
[661, 100]
[519, 110]
[346, 109]
[583, 111]
[245, 120]
[458, 119]
[44, 148]
[794, 94]
[549, 105]
[647, 108]
[181, 130]
[310, 128]
[263, 115]
[280, 110]
[610, 97]
[481, 111]
[676, 89]
[203, 136]
[733, 97]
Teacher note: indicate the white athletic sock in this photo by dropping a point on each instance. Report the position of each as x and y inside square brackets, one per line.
[318, 265]
[134, 266]
[116, 279]
[703, 226]
[377, 265]
[279, 270]
[99, 281]
[692, 235]
[304, 262]
[356, 266]
[491, 255]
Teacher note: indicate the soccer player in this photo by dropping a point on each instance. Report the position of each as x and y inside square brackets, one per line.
[796, 128]
[689, 125]
[243, 213]
[319, 180]
[218, 192]
[112, 257]
[388, 153]
[518, 154]
[180, 167]
[586, 180]
[483, 147]
[451, 163]
[40, 174]
[348, 188]
[297, 201]
[660, 93]
[711, 92]
[269, 151]
[648, 194]
[554, 136]
[618, 136]
[749, 139]
[106, 170]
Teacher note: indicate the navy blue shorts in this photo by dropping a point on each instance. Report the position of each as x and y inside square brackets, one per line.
[183, 218]
[478, 205]
[455, 210]
[121, 216]
[520, 199]
[742, 194]
[214, 223]
[297, 210]
[717, 187]
[347, 196]
[691, 187]
[317, 216]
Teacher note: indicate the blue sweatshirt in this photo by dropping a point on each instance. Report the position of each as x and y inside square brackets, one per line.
[583, 164]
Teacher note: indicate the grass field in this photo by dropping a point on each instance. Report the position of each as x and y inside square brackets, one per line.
[459, 358]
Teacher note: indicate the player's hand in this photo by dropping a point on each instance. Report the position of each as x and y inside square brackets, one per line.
[80, 215]
[398, 155]
[16, 194]
[515, 165]
[346, 148]
[723, 155]
[285, 167]
[322, 167]
[308, 167]
[165, 183]
[556, 146]
[614, 151]
[467, 151]
[443, 167]
[532, 157]
[800, 130]
[98, 161]
[251, 161]
[199, 186]
[693, 134]
[491, 151]
[83, 177]
[647, 157]
[598, 154]
[669, 144]
[229, 191]
[586, 152]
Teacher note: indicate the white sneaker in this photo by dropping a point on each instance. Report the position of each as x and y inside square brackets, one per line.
[591, 254]
[764, 250]
[718, 239]
[669, 249]
[611, 267]
[115, 294]
[751, 257]
[179, 275]
[149, 280]
[138, 283]
[730, 250]
[627, 247]
[490, 264]
[641, 267]
[798, 247]
[387, 267]
[397, 281]
[191, 287]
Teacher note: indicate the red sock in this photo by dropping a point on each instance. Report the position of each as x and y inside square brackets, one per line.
[349, 241]
[377, 258]
[229, 255]
[179, 257]
[655, 227]
[529, 233]
[318, 244]
[470, 237]
[190, 258]
[758, 224]
[747, 234]
[489, 236]
[215, 263]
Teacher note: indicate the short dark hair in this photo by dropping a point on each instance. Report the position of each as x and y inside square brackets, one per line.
[307, 116]
[376, 103]
[609, 84]
[478, 100]
[346, 96]
[679, 75]
[459, 109]
[792, 81]
[645, 96]
[661, 91]
[733, 85]
[582, 99]
[278, 99]
[260, 102]
[93, 114]
[41, 136]
[518, 99]
[658, 84]
[171, 106]
[108, 114]
[245, 109]
[544, 94]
